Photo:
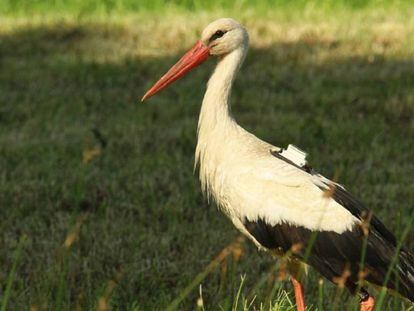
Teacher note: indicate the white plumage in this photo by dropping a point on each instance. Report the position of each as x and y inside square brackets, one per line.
[238, 170]
[272, 196]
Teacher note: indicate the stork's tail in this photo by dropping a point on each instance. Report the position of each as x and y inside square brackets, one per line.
[405, 269]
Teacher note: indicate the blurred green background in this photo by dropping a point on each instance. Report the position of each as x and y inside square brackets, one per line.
[99, 204]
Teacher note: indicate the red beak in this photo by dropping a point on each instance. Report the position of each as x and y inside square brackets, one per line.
[194, 57]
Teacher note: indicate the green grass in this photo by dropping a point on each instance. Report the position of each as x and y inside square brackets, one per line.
[109, 7]
[129, 227]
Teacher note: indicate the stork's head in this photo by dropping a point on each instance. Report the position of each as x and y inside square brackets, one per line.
[223, 36]
[219, 38]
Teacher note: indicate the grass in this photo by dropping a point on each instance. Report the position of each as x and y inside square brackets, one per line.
[87, 7]
[103, 186]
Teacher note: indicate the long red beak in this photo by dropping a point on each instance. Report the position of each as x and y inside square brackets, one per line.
[194, 57]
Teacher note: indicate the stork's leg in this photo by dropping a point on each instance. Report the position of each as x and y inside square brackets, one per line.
[367, 302]
[297, 269]
[367, 305]
[299, 295]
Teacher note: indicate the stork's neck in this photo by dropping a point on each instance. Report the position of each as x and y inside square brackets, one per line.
[215, 110]
[216, 126]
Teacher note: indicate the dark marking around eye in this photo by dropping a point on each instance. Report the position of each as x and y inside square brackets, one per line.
[217, 34]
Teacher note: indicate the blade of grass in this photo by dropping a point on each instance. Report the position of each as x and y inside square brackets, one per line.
[103, 301]
[62, 270]
[262, 280]
[361, 275]
[236, 302]
[10, 279]
[201, 276]
[320, 294]
[404, 235]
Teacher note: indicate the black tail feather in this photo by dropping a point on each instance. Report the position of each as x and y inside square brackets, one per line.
[405, 268]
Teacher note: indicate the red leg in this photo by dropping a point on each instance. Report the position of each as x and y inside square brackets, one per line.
[299, 295]
[368, 304]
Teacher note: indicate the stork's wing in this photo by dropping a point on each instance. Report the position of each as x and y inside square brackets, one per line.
[358, 209]
[279, 191]
[289, 215]
[341, 196]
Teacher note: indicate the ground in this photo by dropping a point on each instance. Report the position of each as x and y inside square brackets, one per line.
[100, 189]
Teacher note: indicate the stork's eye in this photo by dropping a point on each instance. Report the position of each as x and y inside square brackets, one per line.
[217, 34]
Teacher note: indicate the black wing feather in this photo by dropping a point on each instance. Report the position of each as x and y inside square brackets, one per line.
[332, 252]
[356, 208]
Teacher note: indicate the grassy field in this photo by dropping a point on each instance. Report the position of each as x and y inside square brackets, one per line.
[99, 204]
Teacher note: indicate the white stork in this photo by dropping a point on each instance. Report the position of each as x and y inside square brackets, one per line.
[272, 195]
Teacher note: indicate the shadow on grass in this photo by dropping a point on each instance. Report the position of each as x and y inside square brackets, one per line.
[66, 90]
